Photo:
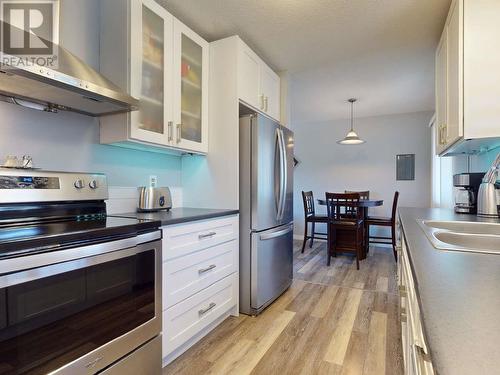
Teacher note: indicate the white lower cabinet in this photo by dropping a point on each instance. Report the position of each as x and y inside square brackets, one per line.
[415, 351]
[200, 280]
[184, 320]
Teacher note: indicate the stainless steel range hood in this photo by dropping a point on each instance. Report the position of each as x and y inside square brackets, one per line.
[73, 86]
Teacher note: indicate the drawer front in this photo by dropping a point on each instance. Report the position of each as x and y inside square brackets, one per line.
[183, 239]
[187, 275]
[184, 320]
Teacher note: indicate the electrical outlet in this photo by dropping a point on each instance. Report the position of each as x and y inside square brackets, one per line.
[153, 181]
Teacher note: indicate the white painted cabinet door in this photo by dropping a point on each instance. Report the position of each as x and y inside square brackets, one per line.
[441, 93]
[151, 71]
[191, 71]
[249, 77]
[270, 88]
[454, 73]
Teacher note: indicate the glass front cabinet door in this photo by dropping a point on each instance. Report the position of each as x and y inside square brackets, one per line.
[191, 57]
[151, 68]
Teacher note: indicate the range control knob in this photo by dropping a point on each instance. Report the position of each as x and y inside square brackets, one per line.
[79, 184]
[93, 184]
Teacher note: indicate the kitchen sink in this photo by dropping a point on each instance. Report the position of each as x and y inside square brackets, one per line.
[476, 237]
[465, 227]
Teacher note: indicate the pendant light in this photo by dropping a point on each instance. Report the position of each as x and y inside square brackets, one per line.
[352, 137]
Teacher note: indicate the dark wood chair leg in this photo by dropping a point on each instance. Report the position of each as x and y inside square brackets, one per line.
[328, 245]
[359, 245]
[393, 235]
[367, 238]
[305, 238]
[313, 229]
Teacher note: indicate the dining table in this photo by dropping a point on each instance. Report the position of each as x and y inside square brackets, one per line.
[364, 204]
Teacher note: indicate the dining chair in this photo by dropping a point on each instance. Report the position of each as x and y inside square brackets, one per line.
[345, 233]
[385, 222]
[310, 216]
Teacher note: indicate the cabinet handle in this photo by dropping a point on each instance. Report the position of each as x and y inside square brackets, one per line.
[179, 129]
[261, 102]
[266, 101]
[442, 135]
[207, 309]
[205, 270]
[403, 317]
[206, 235]
[170, 131]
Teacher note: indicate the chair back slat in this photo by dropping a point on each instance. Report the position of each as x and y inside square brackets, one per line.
[308, 201]
[364, 195]
[338, 205]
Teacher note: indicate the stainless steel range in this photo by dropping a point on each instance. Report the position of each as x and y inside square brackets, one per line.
[80, 291]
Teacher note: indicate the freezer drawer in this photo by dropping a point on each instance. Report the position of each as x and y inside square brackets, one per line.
[271, 265]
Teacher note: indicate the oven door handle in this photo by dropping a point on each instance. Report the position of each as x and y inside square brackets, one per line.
[40, 272]
[24, 263]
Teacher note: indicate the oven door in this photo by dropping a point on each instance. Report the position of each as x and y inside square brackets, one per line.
[83, 314]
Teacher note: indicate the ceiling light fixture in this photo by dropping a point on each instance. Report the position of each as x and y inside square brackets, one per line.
[352, 137]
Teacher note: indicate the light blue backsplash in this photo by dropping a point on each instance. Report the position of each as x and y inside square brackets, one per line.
[70, 142]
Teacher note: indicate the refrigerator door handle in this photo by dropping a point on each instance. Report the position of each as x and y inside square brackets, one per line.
[279, 197]
[284, 181]
[279, 233]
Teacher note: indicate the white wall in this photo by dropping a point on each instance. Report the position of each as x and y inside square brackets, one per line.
[327, 166]
[67, 141]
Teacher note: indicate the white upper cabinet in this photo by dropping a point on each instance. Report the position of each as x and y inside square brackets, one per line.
[191, 59]
[270, 87]
[468, 79]
[441, 98]
[160, 61]
[248, 77]
[258, 85]
[151, 71]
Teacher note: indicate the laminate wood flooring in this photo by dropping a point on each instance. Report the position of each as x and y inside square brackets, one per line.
[333, 320]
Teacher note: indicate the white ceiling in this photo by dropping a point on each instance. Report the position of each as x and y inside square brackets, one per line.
[380, 51]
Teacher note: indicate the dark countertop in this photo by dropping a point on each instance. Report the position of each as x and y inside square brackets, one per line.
[180, 215]
[459, 297]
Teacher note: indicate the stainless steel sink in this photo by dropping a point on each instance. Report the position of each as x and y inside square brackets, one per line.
[477, 237]
[468, 227]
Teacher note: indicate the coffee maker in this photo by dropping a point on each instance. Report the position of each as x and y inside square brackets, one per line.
[466, 190]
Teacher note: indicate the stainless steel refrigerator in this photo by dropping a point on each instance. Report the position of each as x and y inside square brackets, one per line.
[266, 212]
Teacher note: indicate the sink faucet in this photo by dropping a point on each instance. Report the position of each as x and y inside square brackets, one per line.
[489, 193]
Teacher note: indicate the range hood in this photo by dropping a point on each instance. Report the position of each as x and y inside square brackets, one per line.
[73, 86]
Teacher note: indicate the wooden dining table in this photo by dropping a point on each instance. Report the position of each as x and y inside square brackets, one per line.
[364, 204]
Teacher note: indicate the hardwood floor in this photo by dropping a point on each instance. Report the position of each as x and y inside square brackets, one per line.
[333, 320]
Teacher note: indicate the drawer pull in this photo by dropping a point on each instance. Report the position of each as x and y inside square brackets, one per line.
[207, 309]
[209, 268]
[207, 235]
